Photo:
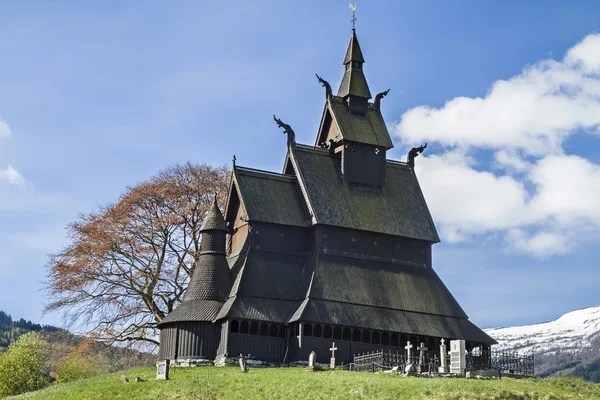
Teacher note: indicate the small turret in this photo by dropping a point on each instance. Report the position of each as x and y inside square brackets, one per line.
[211, 278]
[354, 88]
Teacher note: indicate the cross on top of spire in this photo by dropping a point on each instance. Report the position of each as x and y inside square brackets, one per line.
[353, 8]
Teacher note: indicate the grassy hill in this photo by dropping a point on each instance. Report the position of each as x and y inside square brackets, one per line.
[295, 383]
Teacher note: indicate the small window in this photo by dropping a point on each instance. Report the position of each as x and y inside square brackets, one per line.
[327, 333]
[347, 334]
[235, 326]
[337, 333]
[244, 329]
[376, 150]
[394, 340]
[273, 330]
[308, 330]
[264, 329]
[366, 337]
[385, 339]
[375, 338]
[356, 335]
[254, 328]
[318, 331]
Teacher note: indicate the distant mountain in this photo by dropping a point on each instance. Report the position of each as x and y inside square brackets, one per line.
[568, 345]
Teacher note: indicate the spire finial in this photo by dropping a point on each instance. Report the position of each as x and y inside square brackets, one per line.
[353, 8]
[233, 160]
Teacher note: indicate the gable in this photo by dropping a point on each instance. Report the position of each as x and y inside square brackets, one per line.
[397, 208]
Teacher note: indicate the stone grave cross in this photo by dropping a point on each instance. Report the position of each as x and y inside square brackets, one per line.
[422, 349]
[408, 348]
[332, 362]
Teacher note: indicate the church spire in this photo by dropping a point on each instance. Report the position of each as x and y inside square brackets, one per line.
[354, 82]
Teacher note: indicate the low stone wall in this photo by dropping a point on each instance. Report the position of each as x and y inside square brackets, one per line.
[192, 362]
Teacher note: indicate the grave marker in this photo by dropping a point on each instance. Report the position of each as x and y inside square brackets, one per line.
[443, 369]
[458, 357]
[162, 370]
[332, 361]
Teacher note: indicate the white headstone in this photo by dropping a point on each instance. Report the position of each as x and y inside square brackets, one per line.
[443, 369]
[458, 357]
[311, 359]
[162, 369]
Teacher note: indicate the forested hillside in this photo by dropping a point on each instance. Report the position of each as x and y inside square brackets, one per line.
[10, 329]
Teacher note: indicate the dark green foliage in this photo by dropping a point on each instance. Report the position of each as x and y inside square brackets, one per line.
[11, 330]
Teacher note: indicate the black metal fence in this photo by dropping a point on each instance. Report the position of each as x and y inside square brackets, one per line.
[504, 361]
[381, 360]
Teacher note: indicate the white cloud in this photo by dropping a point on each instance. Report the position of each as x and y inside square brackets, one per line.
[540, 244]
[537, 197]
[4, 130]
[11, 176]
[533, 111]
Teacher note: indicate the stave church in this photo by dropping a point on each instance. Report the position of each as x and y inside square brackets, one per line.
[335, 248]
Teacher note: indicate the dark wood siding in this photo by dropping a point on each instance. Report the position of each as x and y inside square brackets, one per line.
[373, 245]
[259, 347]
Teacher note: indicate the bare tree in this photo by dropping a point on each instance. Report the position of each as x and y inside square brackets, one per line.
[128, 263]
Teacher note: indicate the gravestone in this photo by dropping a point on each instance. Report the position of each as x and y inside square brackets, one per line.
[422, 349]
[408, 348]
[458, 357]
[311, 359]
[243, 363]
[443, 368]
[332, 361]
[162, 370]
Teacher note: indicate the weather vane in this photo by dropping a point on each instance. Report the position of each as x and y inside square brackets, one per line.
[353, 8]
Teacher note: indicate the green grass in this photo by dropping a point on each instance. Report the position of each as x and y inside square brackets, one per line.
[295, 383]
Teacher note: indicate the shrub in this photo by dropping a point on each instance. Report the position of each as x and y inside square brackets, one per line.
[79, 365]
[24, 367]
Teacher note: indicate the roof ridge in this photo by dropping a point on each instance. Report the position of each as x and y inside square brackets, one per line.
[264, 174]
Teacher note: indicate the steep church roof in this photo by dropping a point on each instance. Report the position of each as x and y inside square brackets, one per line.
[354, 82]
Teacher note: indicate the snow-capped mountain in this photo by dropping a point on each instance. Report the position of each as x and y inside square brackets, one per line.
[575, 332]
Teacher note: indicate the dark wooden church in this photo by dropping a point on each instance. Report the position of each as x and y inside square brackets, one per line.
[337, 248]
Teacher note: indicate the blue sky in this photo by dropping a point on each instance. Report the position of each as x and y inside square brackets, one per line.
[98, 96]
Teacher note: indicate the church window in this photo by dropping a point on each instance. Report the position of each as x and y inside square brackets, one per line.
[327, 332]
[347, 334]
[375, 338]
[376, 150]
[235, 326]
[318, 331]
[366, 336]
[385, 339]
[356, 335]
[431, 344]
[282, 331]
[337, 333]
[308, 330]
[403, 340]
[394, 340]
[273, 330]
[264, 329]
[254, 328]
[244, 327]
